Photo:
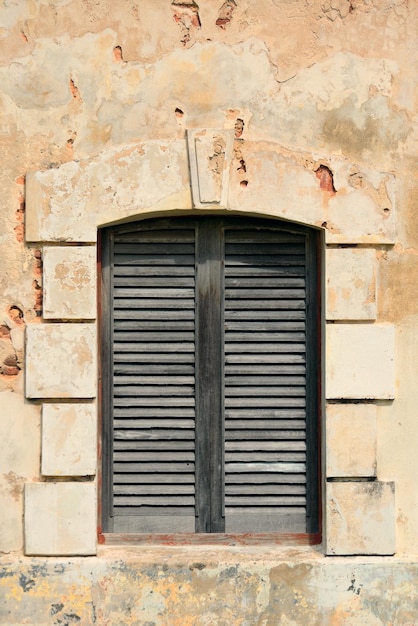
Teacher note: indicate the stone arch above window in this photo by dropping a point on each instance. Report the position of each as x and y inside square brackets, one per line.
[352, 204]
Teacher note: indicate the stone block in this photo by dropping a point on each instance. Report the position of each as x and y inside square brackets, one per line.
[360, 518]
[62, 204]
[356, 217]
[360, 361]
[348, 216]
[351, 440]
[60, 519]
[69, 440]
[350, 284]
[69, 282]
[19, 462]
[61, 361]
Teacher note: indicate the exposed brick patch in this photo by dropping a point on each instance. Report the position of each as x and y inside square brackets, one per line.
[37, 270]
[74, 90]
[178, 112]
[5, 370]
[239, 127]
[225, 13]
[11, 343]
[70, 143]
[117, 54]
[38, 298]
[242, 166]
[38, 262]
[186, 15]
[19, 230]
[16, 315]
[10, 366]
[4, 332]
[326, 179]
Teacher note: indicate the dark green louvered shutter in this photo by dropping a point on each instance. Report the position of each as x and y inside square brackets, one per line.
[211, 386]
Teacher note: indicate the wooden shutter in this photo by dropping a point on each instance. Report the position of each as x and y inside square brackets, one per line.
[210, 381]
[265, 381]
[153, 381]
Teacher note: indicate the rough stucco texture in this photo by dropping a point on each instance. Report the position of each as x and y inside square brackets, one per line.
[208, 588]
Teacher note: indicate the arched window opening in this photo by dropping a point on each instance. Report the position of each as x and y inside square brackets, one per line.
[210, 368]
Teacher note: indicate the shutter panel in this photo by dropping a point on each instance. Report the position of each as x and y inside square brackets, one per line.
[210, 377]
[154, 381]
[265, 381]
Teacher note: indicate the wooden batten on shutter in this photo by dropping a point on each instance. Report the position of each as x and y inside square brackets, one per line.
[265, 381]
[154, 381]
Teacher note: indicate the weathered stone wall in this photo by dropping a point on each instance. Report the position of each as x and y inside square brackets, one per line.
[177, 587]
[320, 97]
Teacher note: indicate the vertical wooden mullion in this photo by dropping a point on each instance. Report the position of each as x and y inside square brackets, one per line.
[107, 379]
[209, 426]
[312, 378]
[217, 425]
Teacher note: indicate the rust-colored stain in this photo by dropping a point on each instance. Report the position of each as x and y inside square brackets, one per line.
[326, 179]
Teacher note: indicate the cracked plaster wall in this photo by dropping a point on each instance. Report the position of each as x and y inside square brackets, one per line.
[335, 78]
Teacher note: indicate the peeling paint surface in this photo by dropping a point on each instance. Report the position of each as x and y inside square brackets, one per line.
[208, 588]
[96, 100]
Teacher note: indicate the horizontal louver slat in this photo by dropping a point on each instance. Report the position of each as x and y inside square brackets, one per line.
[264, 479]
[146, 479]
[263, 413]
[155, 380]
[138, 512]
[153, 413]
[261, 500]
[141, 467]
[262, 433]
[162, 500]
[148, 424]
[149, 434]
[161, 489]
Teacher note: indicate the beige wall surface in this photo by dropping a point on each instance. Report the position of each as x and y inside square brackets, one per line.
[97, 102]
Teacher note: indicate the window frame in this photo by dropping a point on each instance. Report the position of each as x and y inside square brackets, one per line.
[313, 382]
